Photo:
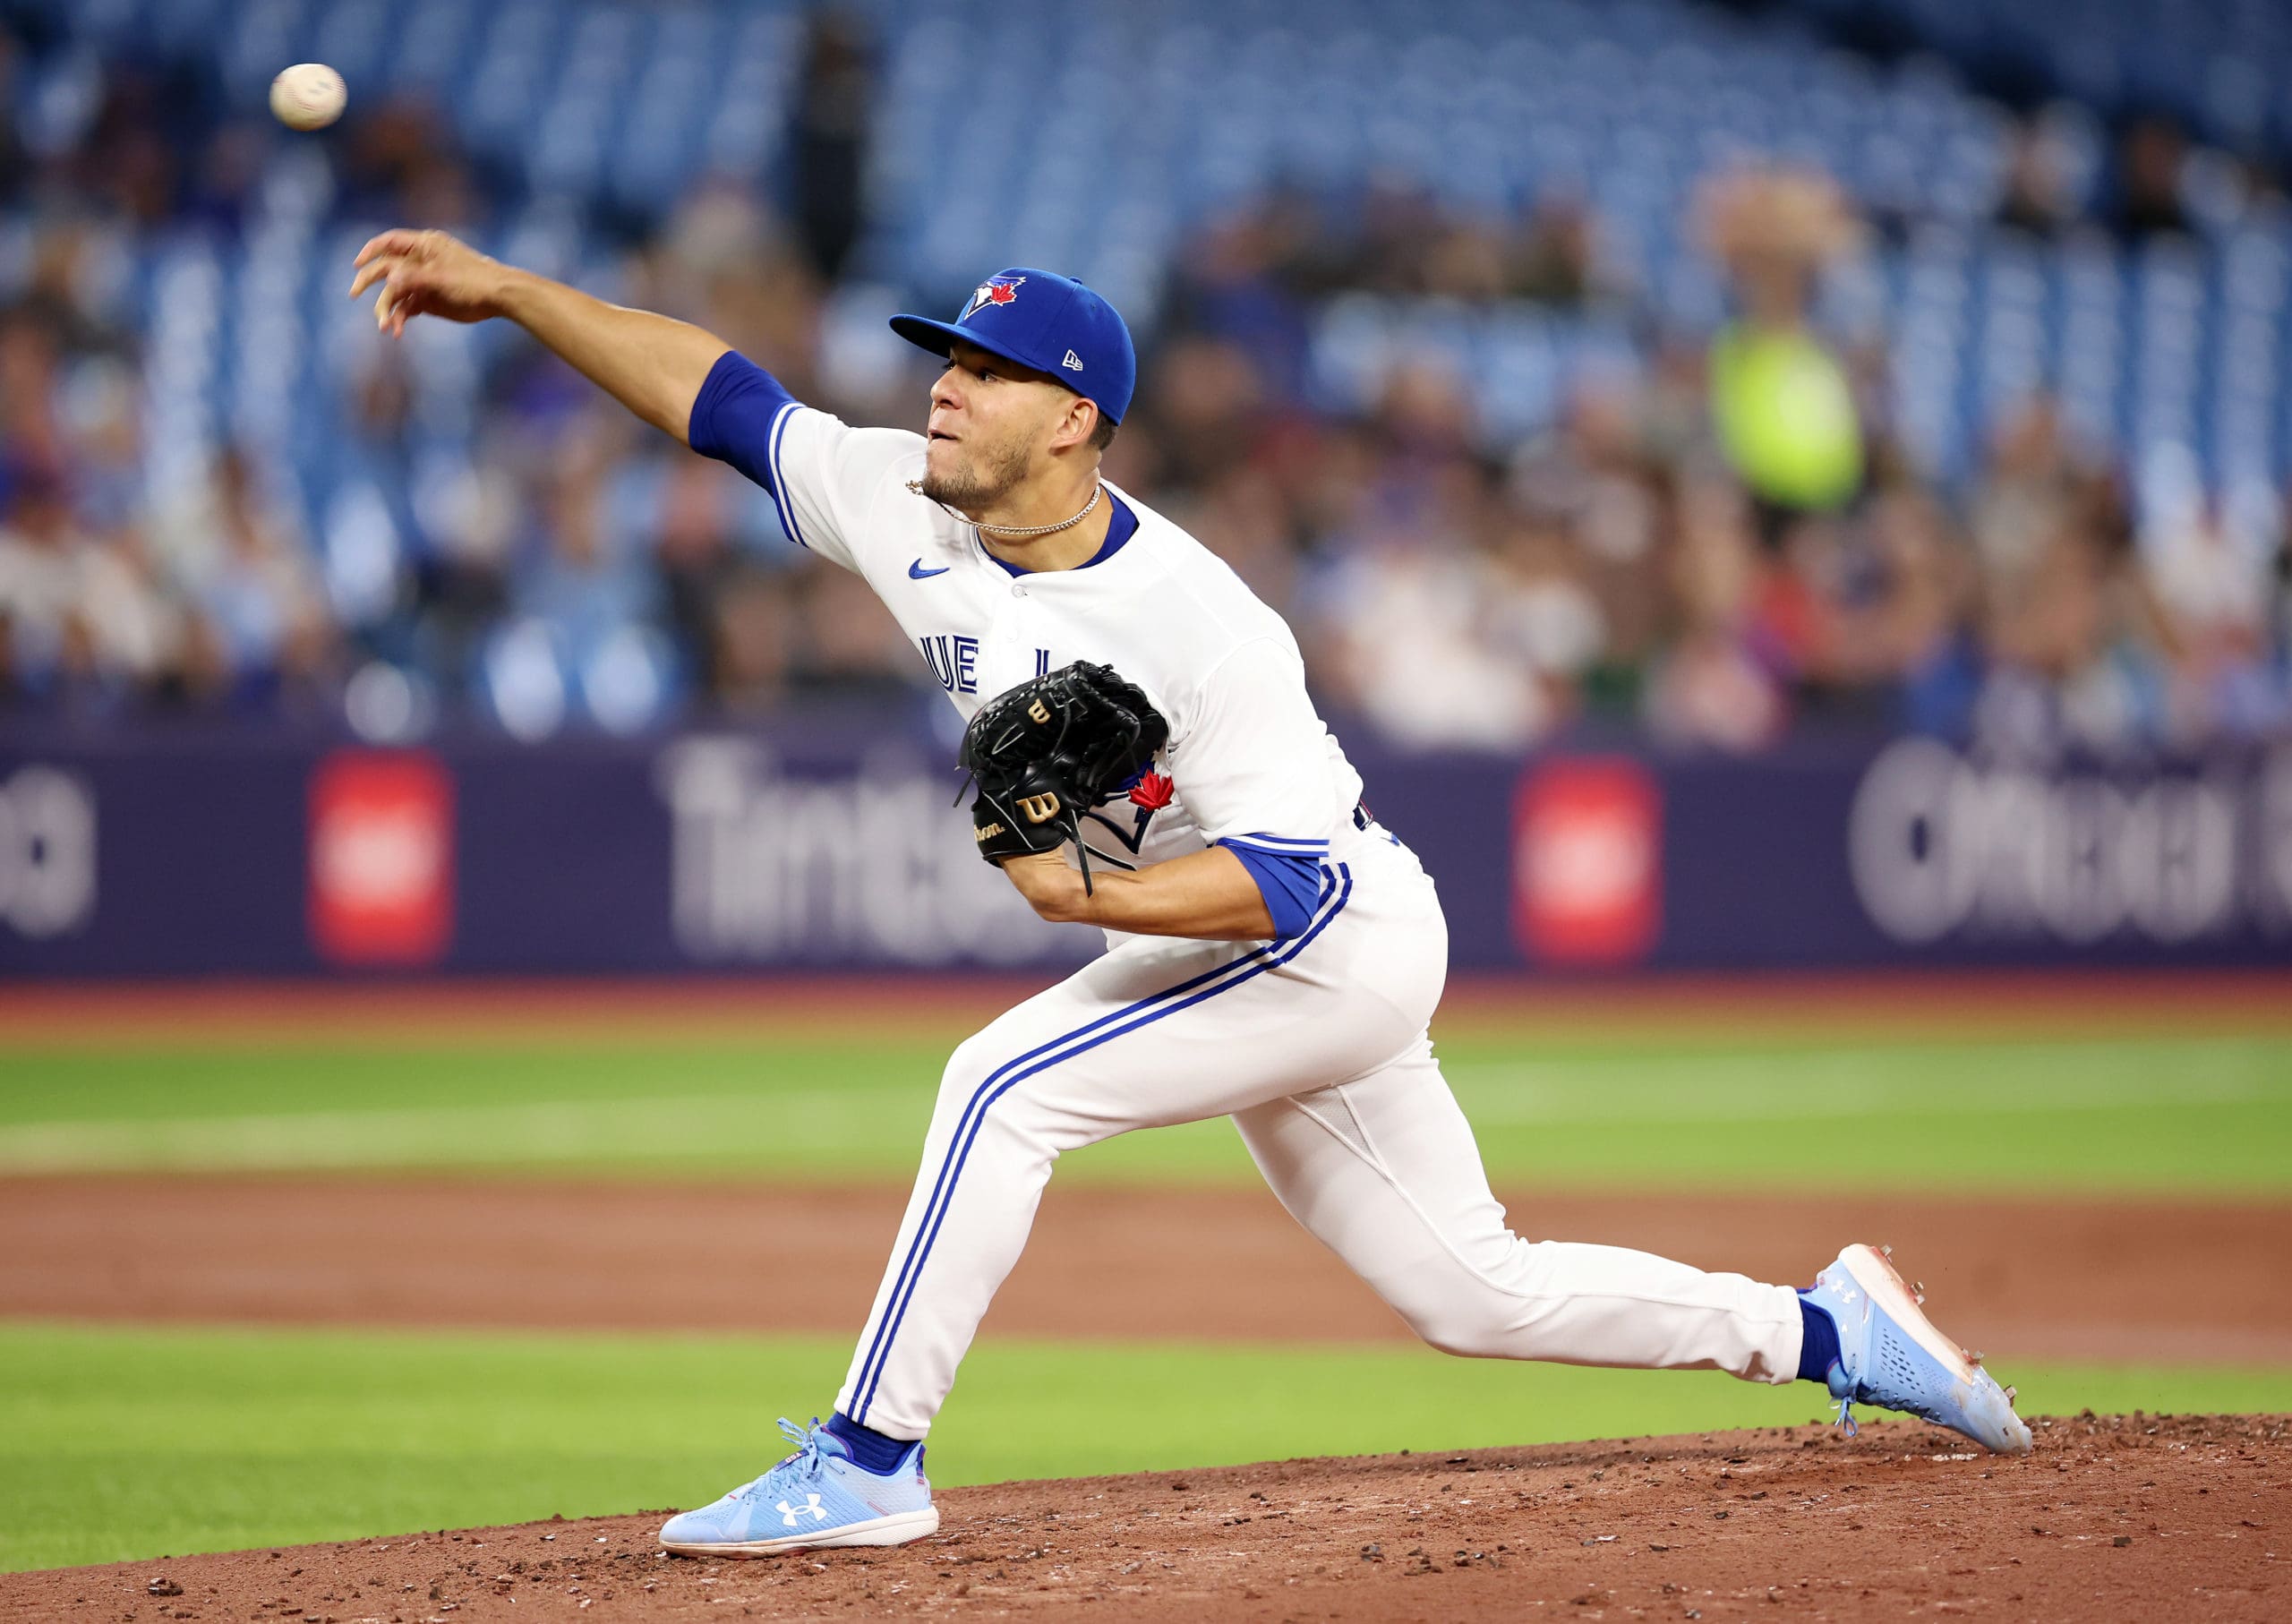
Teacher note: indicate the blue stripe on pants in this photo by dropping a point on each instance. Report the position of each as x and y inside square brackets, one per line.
[939, 1188]
[1008, 1075]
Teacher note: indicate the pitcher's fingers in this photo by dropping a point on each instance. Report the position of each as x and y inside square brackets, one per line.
[390, 304]
[399, 241]
[370, 273]
[408, 301]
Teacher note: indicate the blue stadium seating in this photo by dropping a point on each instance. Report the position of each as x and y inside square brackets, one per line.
[1095, 137]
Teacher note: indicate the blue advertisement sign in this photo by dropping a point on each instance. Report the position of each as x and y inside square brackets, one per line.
[259, 854]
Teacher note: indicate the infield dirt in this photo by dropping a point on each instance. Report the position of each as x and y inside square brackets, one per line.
[2123, 1279]
[2120, 1518]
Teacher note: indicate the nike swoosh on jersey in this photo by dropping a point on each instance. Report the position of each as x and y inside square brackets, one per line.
[916, 572]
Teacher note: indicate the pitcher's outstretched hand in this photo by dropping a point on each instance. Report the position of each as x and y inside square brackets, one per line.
[427, 273]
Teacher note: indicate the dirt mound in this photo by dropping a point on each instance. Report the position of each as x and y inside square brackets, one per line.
[2112, 1517]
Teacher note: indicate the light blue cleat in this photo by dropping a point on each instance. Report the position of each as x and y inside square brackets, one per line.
[1891, 1356]
[818, 1496]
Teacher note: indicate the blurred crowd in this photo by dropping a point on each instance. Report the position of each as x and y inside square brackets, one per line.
[1718, 539]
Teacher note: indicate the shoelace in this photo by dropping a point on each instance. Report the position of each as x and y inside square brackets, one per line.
[806, 1460]
[1862, 1394]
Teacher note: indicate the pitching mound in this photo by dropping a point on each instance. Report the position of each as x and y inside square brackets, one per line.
[2112, 1517]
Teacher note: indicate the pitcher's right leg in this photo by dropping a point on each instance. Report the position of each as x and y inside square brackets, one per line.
[1385, 1171]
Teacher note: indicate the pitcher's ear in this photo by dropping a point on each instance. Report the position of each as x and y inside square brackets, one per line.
[1080, 424]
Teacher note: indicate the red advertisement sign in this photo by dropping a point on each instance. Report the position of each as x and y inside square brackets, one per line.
[381, 880]
[1587, 861]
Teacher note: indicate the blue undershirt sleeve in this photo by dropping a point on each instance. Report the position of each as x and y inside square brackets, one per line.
[734, 415]
[1289, 885]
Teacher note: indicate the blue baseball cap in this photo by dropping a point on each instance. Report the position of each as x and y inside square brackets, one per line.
[1046, 321]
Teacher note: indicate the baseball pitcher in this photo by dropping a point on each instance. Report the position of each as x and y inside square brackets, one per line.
[1148, 759]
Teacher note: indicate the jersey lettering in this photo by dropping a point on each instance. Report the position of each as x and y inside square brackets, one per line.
[1133, 837]
[953, 659]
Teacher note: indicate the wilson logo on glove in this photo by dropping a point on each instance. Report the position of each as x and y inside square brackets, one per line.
[1051, 749]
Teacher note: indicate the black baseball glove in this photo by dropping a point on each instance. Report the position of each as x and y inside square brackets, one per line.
[1050, 749]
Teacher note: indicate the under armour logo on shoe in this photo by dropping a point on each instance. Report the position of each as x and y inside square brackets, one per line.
[1074, 362]
[789, 1514]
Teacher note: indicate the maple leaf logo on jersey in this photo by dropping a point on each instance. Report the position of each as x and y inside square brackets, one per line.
[1153, 792]
[995, 290]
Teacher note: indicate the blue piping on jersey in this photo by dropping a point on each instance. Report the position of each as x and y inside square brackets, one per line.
[779, 486]
[1009, 1075]
[1284, 844]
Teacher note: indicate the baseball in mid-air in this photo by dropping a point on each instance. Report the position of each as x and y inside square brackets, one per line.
[308, 96]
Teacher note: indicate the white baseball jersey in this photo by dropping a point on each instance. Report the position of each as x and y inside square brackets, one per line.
[1249, 759]
[1315, 1043]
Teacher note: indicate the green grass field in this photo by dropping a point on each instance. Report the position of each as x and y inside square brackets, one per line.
[2189, 1114]
[125, 1441]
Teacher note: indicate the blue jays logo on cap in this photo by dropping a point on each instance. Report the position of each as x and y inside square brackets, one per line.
[1045, 321]
[995, 290]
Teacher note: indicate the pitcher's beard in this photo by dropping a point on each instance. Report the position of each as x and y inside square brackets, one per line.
[975, 489]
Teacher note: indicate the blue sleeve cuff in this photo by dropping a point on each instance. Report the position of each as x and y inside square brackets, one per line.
[1290, 883]
[734, 416]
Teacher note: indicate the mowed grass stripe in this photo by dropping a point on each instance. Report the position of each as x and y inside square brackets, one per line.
[2192, 1114]
[118, 1443]
[671, 1127]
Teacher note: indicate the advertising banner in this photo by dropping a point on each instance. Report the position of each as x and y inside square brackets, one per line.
[838, 846]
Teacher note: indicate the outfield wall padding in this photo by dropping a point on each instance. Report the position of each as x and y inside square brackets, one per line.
[237, 851]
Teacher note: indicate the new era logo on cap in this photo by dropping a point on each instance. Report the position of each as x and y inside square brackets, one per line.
[1046, 321]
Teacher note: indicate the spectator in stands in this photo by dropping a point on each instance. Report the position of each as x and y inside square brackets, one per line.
[752, 639]
[1542, 613]
[1720, 683]
[2150, 163]
[1245, 518]
[1597, 478]
[2036, 198]
[15, 163]
[829, 140]
[1206, 400]
[97, 416]
[1248, 281]
[2209, 572]
[81, 614]
[28, 367]
[694, 544]
[258, 597]
[2061, 666]
[2029, 490]
[850, 645]
[1780, 396]
[1558, 257]
[586, 588]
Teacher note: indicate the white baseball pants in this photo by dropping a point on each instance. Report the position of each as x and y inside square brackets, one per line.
[1317, 1047]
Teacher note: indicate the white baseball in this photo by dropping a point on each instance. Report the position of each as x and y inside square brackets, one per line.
[308, 96]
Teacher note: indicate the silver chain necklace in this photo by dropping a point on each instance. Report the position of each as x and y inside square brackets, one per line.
[916, 485]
